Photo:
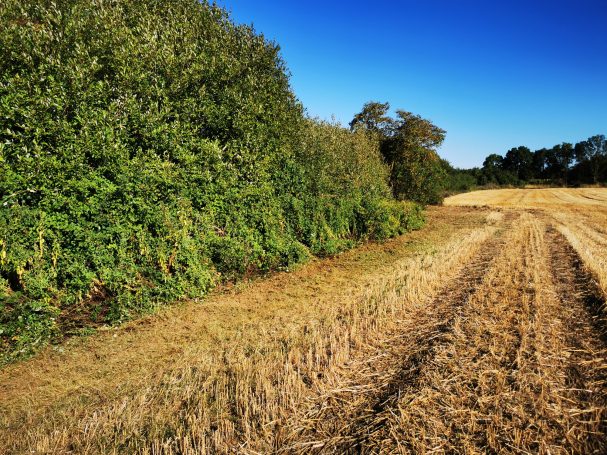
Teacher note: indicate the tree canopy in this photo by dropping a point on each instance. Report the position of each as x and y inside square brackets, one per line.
[374, 118]
[593, 153]
[408, 145]
[563, 164]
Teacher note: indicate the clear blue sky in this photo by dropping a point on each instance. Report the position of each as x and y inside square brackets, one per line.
[494, 74]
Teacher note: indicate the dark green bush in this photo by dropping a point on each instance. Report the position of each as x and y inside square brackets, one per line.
[150, 149]
[384, 218]
[419, 176]
[344, 174]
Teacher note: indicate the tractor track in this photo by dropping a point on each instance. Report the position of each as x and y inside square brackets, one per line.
[510, 360]
[345, 417]
[586, 376]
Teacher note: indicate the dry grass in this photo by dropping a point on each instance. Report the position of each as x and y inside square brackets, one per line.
[499, 371]
[586, 232]
[348, 409]
[579, 213]
[543, 198]
[475, 335]
[499, 384]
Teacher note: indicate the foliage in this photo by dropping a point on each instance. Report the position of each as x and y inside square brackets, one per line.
[519, 162]
[458, 180]
[563, 164]
[408, 145]
[418, 175]
[348, 186]
[149, 150]
[494, 172]
[374, 118]
[592, 155]
[560, 158]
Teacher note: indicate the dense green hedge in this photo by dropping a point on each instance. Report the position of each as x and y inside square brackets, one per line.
[151, 149]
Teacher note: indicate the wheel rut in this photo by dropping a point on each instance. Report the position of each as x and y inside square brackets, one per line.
[585, 370]
[343, 418]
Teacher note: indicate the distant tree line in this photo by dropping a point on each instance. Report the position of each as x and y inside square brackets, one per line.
[564, 164]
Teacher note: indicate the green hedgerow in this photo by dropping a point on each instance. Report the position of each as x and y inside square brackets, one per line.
[151, 149]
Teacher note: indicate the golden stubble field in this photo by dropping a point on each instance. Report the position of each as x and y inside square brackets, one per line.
[481, 333]
[579, 214]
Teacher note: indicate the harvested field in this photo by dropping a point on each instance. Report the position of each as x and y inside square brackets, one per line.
[580, 214]
[543, 198]
[482, 333]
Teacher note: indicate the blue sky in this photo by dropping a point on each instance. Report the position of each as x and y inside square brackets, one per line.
[494, 74]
